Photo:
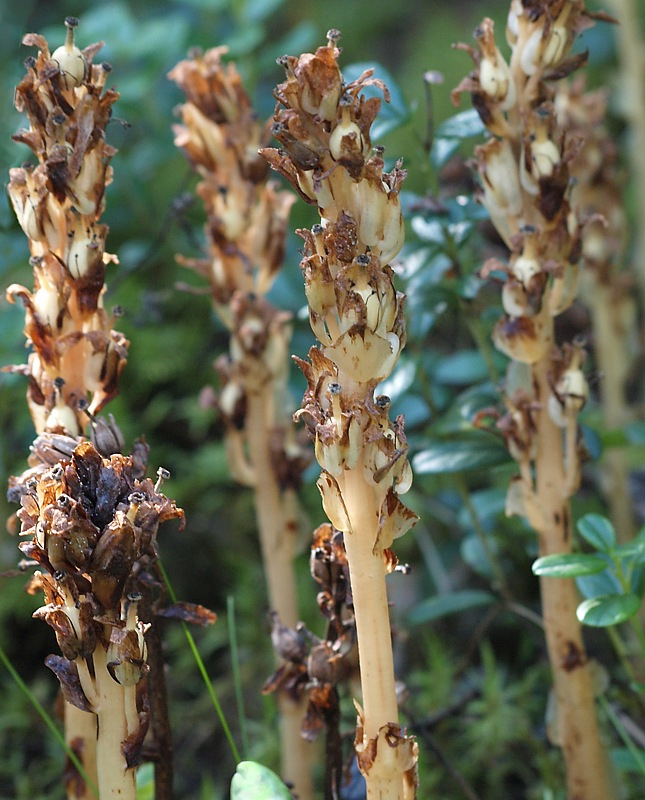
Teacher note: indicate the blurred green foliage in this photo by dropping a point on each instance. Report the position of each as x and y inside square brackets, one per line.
[474, 665]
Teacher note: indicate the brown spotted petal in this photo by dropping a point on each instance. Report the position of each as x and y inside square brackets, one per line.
[333, 503]
[191, 613]
[112, 561]
[126, 655]
[395, 519]
[521, 338]
[314, 83]
[66, 635]
[364, 355]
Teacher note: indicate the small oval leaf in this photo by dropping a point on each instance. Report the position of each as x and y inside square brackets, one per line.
[607, 610]
[598, 531]
[568, 565]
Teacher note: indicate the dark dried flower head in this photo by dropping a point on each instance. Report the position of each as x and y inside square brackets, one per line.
[92, 520]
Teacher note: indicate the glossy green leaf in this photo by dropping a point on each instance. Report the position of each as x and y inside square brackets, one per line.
[609, 609]
[488, 504]
[477, 556]
[444, 604]
[146, 782]
[461, 368]
[259, 10]
[600, 583]
[633, 551]
[635, 432]
[598, 531]
[253, 781]
[460, 456]
[462, 126]
[592, 441]
[429, 230]
[442, 151]
[459, 417]
[568, 565]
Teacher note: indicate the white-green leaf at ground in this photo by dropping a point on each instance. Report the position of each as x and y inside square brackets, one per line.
[253, 781]
[607, 610]
[568, 565]
[146, 782]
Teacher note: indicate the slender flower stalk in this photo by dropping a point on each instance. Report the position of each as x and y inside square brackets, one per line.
[524, 170]
[630, 38]
[89, 514]
[596, 196]
[355, 312]
[245, 232]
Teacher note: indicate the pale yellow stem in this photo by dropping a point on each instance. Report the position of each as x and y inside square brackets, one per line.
[115, 778]
[614, 325]
[631, 52]
[80, 735]
[385, 776]
[585, 757]
[367, 572]
[278, 530]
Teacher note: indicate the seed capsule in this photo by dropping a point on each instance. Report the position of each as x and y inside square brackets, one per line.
[70, 59]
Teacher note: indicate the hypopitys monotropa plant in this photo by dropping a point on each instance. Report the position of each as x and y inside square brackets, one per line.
[90, 515]
[356, 313]
[524, 171]
[245, 233]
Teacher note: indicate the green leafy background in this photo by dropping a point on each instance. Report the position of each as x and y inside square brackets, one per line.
[476, 671]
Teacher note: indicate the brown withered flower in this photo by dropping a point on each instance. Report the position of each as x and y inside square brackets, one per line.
[317, 669]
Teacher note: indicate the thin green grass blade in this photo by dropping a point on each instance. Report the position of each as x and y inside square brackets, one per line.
[202, 670]
[237, 677]
[620, 730]
[49, 722]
